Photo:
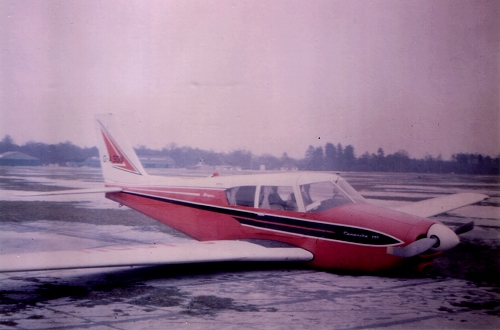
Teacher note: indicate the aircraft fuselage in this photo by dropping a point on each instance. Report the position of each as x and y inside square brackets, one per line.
[354, 236]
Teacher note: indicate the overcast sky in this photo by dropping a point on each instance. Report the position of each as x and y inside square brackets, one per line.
[268, 77]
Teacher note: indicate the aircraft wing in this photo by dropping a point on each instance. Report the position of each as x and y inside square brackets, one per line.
[149, 255]
[434, 206]
[69, 192]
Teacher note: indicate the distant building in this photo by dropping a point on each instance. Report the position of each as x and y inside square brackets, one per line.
[227, 168]
[157, 162]
[16, 158]
[147, 162]
[89, 162]
[289, 168]
[92, 162]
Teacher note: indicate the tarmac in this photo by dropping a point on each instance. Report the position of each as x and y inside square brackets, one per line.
[224, 296]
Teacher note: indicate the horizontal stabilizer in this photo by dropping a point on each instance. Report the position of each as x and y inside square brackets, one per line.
[149, 255]
[69, 192]
[434, 206]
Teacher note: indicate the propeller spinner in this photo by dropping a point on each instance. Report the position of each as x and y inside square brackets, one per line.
[439, 238]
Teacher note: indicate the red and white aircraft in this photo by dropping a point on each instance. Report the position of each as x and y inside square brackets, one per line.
[311, 217]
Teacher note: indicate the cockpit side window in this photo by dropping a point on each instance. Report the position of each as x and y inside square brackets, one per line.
[241, 196]
[321, 196]
[277, 198]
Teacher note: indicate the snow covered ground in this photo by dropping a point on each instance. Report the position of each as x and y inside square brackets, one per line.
[230, 296]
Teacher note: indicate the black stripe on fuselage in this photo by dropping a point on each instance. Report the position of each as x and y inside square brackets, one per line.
[322, 230]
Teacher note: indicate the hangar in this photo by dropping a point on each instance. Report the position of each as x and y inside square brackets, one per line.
[16, 158]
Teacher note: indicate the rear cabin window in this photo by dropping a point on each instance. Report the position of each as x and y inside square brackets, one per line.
[321, 196]
[277, 198]
[241, 196]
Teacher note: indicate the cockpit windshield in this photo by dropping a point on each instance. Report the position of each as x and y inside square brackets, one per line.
[350, 191]
[321, 196]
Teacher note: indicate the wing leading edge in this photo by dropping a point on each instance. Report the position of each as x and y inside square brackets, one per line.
[149, 255]
[434, 206]
[69, 192]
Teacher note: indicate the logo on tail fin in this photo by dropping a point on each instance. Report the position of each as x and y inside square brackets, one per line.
[115, 155]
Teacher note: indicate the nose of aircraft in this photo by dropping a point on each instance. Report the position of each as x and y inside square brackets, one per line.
[439, 238]
[446, 238]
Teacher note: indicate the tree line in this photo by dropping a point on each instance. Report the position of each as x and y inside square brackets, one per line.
[338, 158]
[61, 153]
[328, 158]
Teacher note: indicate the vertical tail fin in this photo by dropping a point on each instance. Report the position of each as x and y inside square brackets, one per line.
[119, 161]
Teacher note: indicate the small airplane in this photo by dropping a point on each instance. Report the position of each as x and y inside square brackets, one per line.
[312, 217]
